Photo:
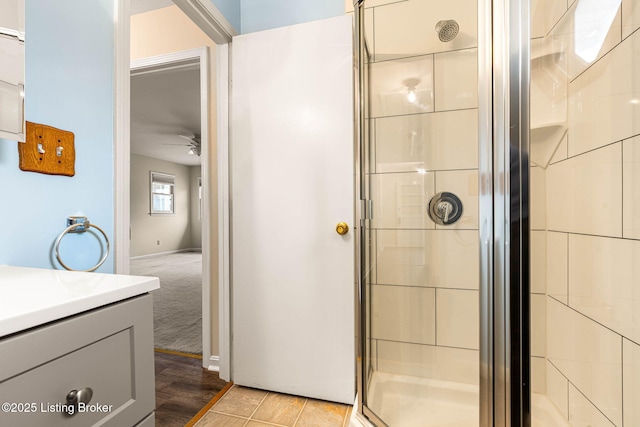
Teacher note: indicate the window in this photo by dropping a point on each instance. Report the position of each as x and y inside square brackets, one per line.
[162, 193]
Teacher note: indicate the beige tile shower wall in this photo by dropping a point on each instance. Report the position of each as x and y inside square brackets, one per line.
[603, 282]
[631, 383]
[593, 247]
[391, 82]
[427, 361]
[544, 15]
[433, 141]
[538, 278]
[631, 188]
[584, 193]
[428, 258]
[603, 106]
[538, 194]
[402, 313]
[457, 318]
[586, 37]
[408, 28]
[588, 355]
[538, 262]
[562, 151]
[557, 389]
[425, 296]
[557, 265]
[583, 413]
[630, 17]
[401, 198]
[456, 80]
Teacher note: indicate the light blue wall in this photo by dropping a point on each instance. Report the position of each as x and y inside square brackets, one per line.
[248, 16]
[231, 10]
[69, 85]
[260, 15]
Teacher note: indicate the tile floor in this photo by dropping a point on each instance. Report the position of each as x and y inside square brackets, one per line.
[247, 407]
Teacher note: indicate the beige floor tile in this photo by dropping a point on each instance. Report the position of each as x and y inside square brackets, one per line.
[318, 413]
[253, 423]
[213, 419]
[279, 409]
[240, 401]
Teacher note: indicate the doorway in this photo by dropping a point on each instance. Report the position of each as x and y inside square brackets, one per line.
[142, 34]
[169, 169]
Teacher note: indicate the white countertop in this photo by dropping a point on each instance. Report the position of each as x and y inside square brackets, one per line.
[32, 296]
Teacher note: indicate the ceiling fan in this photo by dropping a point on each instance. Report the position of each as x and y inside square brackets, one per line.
[194, 143]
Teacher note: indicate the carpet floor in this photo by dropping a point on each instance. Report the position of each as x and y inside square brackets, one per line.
[177, 305]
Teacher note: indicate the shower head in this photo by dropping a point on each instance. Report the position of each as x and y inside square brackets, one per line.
[447, 30]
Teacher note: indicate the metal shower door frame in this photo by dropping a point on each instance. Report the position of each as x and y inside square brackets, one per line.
[508, 291]
[503, 113]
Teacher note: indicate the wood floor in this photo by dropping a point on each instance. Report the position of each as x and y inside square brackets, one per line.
[183, 388]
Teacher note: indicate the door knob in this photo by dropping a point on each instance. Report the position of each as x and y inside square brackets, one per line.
[342, 228]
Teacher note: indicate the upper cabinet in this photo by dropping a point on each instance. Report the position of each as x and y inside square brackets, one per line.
[12, 123]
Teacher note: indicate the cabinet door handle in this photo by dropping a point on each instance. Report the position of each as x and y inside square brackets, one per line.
[75, 397]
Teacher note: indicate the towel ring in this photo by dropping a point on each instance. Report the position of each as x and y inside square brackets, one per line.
[80, 224]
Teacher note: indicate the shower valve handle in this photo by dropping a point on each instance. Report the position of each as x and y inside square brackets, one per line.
[444, 209]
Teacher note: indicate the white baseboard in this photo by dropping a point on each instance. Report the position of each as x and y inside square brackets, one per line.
[177, 251]
[214, 363]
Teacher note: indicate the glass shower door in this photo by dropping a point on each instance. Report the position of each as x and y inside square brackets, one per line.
[420, 245]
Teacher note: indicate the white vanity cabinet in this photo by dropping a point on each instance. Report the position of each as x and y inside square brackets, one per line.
[109, 350]
[101, 353]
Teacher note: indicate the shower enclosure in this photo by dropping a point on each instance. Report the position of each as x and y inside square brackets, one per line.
[499, 204]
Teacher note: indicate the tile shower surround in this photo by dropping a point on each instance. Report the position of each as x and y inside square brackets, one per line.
[583, 254]
[425, 278]
[586, 232]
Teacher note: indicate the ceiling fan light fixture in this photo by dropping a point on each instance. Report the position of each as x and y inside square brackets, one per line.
[194, 143]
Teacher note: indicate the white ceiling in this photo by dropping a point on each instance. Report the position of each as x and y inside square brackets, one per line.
[141, 6]
[165, 105]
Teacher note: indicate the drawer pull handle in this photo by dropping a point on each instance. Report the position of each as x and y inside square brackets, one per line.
[75, 397]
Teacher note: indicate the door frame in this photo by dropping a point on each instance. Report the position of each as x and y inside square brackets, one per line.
[223, 78]
[213, 23]
[191, 59]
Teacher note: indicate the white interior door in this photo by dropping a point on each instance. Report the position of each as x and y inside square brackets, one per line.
[292, 174]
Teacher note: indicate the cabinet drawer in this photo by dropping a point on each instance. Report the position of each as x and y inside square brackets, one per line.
[109, 350]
